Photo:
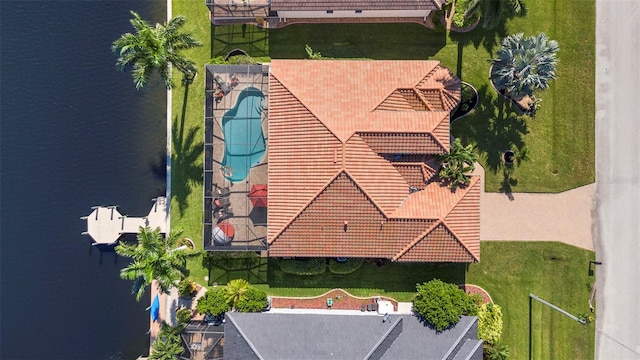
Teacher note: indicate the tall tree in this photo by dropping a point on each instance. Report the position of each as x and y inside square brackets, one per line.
[494, 11]
[154, 48]
[525, 64]
[456, 164]
[154, 257]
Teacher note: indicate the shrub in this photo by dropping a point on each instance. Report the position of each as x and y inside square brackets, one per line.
[442, 304]
[497, 351]
[347, 267]
[241, 60]
[183, 316]
[310, 266]
[490, 323]
[233, 260]
[254, 300]
[214, 302]
[186, 288]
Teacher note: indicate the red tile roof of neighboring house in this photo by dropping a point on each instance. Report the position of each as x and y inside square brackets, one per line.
[335, 187]
[321, 5]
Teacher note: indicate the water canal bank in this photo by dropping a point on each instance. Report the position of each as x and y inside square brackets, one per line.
[74, 133]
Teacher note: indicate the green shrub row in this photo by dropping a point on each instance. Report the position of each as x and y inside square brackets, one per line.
[232, 260]
[310, 266]
[347, 267]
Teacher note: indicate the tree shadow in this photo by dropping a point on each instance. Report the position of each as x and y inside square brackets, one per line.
[250, 38]
[494, 126]
[372, 41]
[224, 267]
[393, 276]
[508, 181]
[488, 38]
[186, 169]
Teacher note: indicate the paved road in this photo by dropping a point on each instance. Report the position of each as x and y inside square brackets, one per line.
[618, 179]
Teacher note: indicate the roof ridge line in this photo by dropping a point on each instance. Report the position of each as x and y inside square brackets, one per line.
[245, 337]
[299, 212]
[305, 106]
[435, 138]
[458, 240]
[422, 98]
[375, 203]
[472, 183]
[415, 241]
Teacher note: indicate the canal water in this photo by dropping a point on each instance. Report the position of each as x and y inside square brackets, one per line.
[74, 133]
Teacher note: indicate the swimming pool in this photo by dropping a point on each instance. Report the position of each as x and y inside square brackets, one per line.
[244, 144]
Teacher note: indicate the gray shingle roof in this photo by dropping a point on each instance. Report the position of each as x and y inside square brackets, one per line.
[314, 336]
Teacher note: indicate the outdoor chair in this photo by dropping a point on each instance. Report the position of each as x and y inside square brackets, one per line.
[329, 302]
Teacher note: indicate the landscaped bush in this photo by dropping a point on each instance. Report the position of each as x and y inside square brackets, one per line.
[254, 300]
[214, 302]
[232, 260]
[184, 316]
[310, 266]
[241, 60]
[442, 304]
[186, 288]
[347, 267]
[490, 323]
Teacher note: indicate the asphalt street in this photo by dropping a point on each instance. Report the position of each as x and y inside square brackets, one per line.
[617, 225]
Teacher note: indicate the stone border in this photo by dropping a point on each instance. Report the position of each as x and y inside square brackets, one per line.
[475, 289]
[474, 105]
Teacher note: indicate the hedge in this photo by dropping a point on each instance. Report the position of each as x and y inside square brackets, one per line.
[310, 266]
[254, 300]
[213, 302]
[442, 304]
[347, 267]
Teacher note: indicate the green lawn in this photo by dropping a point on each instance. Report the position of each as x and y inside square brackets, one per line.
[560, 139]
[509, 271]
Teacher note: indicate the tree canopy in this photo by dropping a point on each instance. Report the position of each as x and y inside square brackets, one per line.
[153, 48]
[441, 304]
[456, 164]
[155, 257]
[525, 64]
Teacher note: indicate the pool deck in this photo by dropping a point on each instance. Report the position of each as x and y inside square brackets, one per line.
[249, 222]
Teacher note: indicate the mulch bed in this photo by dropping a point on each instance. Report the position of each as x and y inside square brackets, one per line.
[341, 300]
[474, 289]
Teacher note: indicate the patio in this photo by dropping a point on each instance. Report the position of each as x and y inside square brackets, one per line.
[235, 157]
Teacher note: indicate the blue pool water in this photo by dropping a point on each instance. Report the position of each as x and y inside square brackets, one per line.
[243, 138]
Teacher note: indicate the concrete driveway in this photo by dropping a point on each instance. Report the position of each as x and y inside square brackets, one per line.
[618, 179]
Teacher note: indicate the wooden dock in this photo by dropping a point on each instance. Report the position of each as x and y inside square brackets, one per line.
[106, 224]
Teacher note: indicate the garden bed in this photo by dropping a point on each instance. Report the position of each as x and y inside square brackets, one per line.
[341, 300]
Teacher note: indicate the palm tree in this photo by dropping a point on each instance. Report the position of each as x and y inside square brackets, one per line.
[167, 346]
[524, 64]
[236, 290]
[155, 48]
[493, 11]
[457, 163]
[154, 257]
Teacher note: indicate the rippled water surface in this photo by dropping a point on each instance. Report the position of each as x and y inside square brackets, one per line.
[74, 133]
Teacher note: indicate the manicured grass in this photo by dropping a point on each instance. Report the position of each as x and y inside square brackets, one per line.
[560, 138]
[509, 271]
[555, 272]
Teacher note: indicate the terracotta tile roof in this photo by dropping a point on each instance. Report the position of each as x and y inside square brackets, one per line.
[332, 159]
[320, 5]
[440, 245]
